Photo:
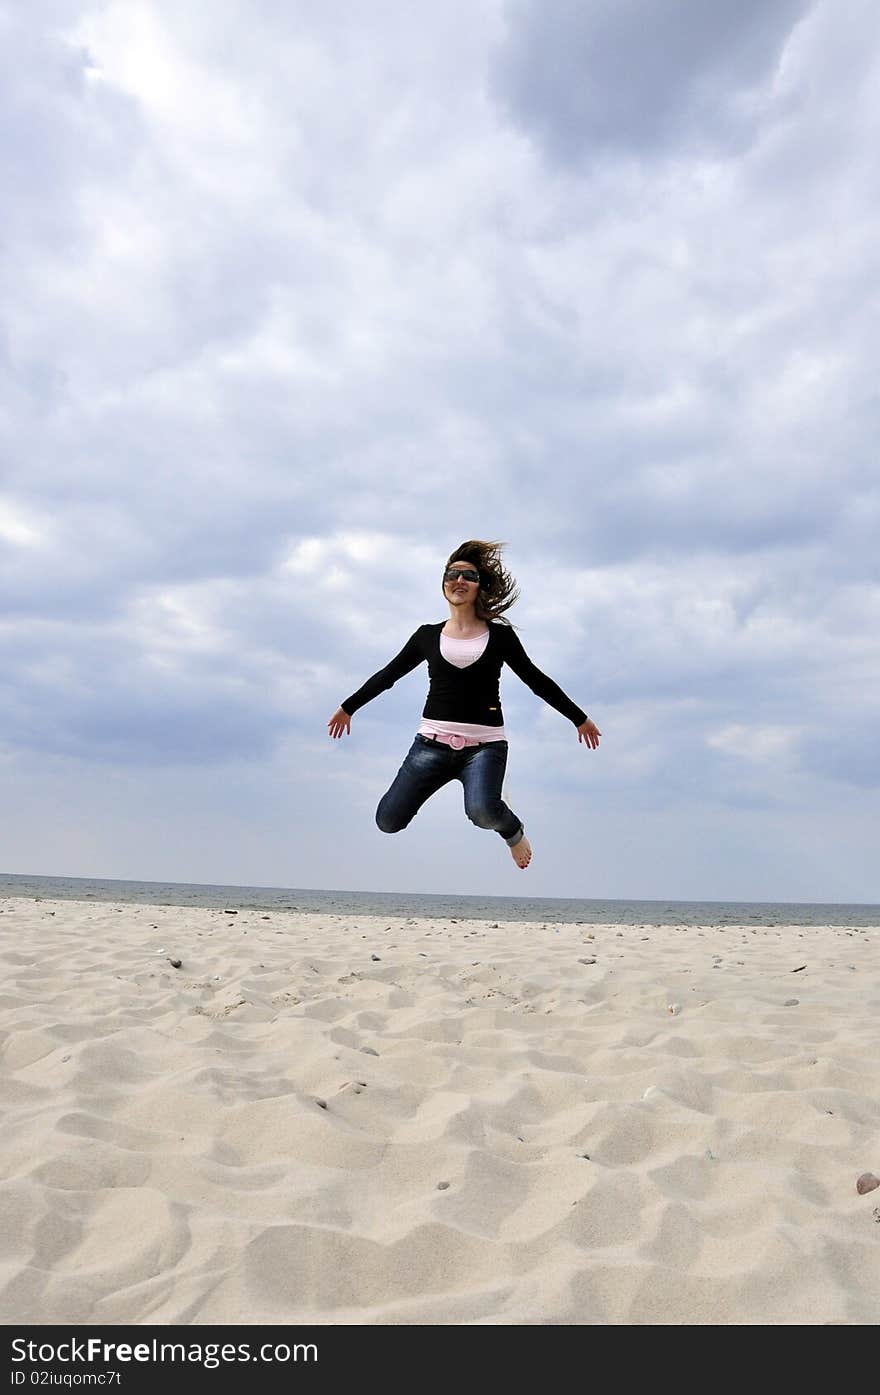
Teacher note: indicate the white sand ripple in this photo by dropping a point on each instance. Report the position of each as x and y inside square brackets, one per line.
[337, 1119]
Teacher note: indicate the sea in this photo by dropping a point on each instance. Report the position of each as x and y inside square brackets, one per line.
[556, 909]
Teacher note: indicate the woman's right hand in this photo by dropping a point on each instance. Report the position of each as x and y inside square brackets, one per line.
[340, 722]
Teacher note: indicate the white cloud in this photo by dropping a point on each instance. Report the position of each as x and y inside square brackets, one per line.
[19, 528]
[293, 293]
[763, 745]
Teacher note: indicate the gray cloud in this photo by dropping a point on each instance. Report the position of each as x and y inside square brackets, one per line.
[269, 352]
[636, 77]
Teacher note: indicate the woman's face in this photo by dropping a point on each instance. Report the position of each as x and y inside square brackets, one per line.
[461, 582]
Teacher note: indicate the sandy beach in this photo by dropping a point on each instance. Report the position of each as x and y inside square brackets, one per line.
[337, 1119]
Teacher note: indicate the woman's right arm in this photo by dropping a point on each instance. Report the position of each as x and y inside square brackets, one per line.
[340, 722]
[410, 656]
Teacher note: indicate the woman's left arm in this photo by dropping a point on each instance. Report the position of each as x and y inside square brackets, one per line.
[589, 732]
[551, 692]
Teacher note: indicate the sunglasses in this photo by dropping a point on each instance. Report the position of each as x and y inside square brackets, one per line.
[450, 575]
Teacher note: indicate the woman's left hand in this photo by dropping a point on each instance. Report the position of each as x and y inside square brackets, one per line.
[589, 732]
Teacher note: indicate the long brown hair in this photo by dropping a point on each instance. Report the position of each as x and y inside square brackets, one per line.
[497, 591]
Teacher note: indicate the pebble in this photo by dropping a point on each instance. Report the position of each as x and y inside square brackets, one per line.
[369, 1051]
[376, 958]
[322, 1104]
[443, 1186]
[791, 1002]
[586, 961]
[175, 963]
[866, 1183]
[230, 912]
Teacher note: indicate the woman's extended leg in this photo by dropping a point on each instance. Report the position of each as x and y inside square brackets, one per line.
[482, 776]
[428, 766]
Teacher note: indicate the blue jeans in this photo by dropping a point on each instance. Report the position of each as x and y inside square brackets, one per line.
[429, 765]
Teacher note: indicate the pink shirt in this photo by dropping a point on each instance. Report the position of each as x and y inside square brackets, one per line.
[461, 653]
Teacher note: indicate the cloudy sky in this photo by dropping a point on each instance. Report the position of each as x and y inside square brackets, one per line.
[297, 295]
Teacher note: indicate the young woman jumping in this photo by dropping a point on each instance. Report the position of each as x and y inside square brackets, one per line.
[461, 734]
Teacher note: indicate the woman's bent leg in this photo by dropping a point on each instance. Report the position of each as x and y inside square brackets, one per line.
[483, 778]
[425, 770]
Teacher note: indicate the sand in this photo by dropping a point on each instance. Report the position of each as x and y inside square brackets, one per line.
[332, 1119]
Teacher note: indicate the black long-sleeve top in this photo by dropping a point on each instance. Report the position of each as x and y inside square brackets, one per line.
[468, 694]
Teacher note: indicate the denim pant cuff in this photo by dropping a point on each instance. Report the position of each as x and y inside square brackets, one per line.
[516, 837]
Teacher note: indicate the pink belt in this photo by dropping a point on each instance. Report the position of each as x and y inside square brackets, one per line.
[454, 740]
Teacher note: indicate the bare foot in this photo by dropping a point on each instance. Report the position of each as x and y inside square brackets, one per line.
[522, 852]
